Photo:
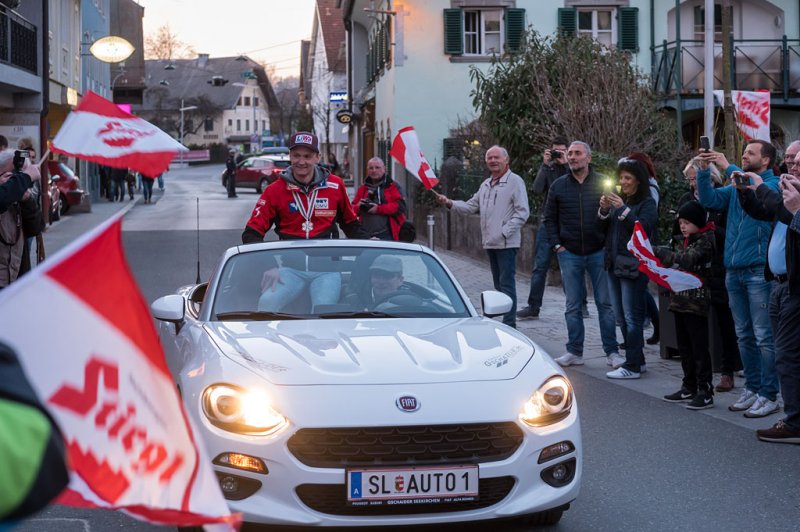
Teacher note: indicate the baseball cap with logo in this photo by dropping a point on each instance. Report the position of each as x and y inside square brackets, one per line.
[304, 139]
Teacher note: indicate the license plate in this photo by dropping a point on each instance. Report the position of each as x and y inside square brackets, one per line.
[418, 485]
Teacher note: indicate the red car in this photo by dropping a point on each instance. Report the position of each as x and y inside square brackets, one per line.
[68, 184]
[258, 172]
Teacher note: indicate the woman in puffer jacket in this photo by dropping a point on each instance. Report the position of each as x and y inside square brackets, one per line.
[627, 285]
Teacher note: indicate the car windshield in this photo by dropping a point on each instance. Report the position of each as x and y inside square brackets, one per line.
[335, 283]
[282, 164]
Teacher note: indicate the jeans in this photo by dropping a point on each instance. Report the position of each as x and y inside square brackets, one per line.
[117, 190]
[160, 181]
[323, 287]
[503, 263]
[748, 295]
[541, 263]
[147, 188]
[784, 310]
[628, 301]
[573, 268]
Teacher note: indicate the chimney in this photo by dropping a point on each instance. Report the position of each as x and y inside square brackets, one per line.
[202, 59]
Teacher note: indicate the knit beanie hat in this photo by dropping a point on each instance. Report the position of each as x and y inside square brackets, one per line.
[692, 211]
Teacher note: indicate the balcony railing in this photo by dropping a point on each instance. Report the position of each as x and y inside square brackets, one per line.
[17, 41]
[756, 64]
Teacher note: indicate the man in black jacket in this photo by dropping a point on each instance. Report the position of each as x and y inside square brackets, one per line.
[554, 165]
[783, 267]
[577, 239]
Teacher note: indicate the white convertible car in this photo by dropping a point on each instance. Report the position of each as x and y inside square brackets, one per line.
[362, 388]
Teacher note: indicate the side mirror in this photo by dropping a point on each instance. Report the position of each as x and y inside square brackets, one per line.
[495, 303]
[169, 308]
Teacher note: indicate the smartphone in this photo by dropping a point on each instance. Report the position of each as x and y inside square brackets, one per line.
[705, 145]
[740, 180]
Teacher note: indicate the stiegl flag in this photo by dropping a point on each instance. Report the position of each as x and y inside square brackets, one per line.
[99, 131]
[669, 278]
[406, 151]
[98, 367]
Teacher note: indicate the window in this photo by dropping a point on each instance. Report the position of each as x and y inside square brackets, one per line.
[247, 125]
[247, 101]
[238, 124]
[263, 125]
[482, 32]
[599, 24]
[209, 124]
[239, 101]
[230, 122]
[700, 22]
[255, 101]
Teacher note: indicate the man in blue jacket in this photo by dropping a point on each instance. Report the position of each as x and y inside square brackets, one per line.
[746, 244]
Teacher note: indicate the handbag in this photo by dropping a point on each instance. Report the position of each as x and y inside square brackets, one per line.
[626, 267]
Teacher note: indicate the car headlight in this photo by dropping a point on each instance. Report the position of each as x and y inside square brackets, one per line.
[242, 411]
[549, 404]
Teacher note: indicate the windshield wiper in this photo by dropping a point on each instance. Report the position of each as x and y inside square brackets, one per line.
[357, 314]
[257, 315]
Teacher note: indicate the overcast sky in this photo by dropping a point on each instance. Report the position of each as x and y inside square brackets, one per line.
[268, 31]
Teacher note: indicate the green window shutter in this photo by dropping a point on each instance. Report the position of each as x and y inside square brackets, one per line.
[628, 29]
[567, 21]
[515, 26]
[453, 32]
[387, 40]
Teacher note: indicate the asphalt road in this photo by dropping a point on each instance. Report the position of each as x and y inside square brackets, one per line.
[649, 465]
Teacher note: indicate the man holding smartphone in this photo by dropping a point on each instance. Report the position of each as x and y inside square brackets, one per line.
[783, 268]
[746, 244]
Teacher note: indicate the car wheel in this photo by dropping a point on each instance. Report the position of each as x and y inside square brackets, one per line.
[550, 517]
[63, 206]
[264, 183]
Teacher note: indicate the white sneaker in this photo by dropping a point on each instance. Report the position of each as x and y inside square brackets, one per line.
[569, 359]
[762, 407]
[745, 401]
[615, 360]
[622, 373]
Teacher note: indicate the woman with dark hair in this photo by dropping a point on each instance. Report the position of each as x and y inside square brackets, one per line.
[627, 285]
[651, 309]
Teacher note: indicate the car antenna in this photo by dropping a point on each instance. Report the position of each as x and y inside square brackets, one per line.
[198, 241]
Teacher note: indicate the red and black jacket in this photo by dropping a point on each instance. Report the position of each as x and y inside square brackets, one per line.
[390, 203]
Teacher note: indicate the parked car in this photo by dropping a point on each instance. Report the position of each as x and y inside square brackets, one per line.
[406, 408]
[257, 172]
[68, 184]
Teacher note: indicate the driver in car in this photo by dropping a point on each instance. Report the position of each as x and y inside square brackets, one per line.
[386, 288]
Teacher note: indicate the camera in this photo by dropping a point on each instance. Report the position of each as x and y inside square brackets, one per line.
[366, 204]
[739, 179]
[705, 144]
[19, 159]
[556, 154]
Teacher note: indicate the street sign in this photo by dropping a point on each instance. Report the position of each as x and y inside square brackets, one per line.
[344, 116]
[338, 96]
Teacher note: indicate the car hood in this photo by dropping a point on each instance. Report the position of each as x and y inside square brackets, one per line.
[374, 351]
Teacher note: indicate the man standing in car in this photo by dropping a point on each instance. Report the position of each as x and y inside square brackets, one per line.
[230, 172]
[306, 202]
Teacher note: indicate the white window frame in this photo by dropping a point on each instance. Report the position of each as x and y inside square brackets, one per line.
[594, 10]
[481, 31]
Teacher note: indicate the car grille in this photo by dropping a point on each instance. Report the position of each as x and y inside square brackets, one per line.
[398, 446]
[332, 499]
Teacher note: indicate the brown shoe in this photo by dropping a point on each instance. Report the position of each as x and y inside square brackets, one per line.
[725, 384]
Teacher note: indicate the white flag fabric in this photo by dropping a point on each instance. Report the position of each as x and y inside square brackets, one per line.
[752, 112]
[99, 131]
[100, 371]
[672, 279]
[407, 151]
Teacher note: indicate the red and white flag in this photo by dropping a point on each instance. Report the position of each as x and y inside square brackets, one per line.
[752, 112]
[672, 279]
[99, 131]
[406, 151]
[99, 369]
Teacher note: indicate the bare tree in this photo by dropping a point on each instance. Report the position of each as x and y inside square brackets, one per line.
[286, 91]
[165, 44]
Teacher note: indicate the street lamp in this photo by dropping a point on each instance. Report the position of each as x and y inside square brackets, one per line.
[253, 101]
[182, 109]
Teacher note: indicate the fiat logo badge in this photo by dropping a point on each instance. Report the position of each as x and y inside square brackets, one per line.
[408, 403]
